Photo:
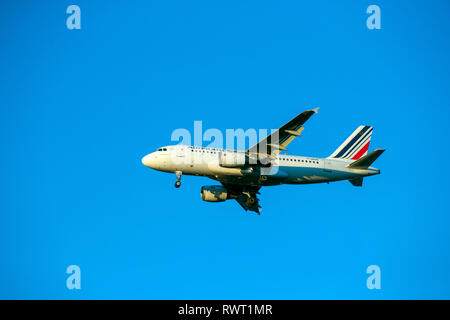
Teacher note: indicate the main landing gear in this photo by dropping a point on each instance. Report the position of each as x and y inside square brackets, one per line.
[178, 183]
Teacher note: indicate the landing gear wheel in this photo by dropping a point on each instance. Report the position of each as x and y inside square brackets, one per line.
[250, 201]
[178, 183]
[262, 179]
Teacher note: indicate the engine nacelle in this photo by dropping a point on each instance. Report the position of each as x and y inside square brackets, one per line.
[214, 193]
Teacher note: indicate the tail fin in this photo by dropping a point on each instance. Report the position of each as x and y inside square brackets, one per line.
[356, 145]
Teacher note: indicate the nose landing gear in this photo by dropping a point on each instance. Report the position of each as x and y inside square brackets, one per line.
[178, 182]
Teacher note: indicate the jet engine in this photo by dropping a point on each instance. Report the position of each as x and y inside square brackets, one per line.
[214, 193]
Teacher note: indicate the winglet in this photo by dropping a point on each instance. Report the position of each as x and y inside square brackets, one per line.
[316, 110]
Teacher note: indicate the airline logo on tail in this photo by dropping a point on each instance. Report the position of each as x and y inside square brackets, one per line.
[356, 145]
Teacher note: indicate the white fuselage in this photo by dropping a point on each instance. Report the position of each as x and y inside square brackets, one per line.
[285, 169]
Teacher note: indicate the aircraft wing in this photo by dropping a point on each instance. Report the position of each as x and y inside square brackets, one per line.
[275, 143]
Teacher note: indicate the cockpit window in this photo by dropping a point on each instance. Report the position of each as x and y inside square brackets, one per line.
[160, 149]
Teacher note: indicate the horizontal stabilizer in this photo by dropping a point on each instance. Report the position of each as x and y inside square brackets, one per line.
[365, 161]
[357, 182]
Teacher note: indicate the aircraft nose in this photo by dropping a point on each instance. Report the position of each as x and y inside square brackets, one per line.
[148, 160]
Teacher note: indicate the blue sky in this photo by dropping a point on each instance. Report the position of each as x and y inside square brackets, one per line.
[79, 108]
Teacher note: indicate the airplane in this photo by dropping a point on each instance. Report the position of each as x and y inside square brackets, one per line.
[243, 173]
